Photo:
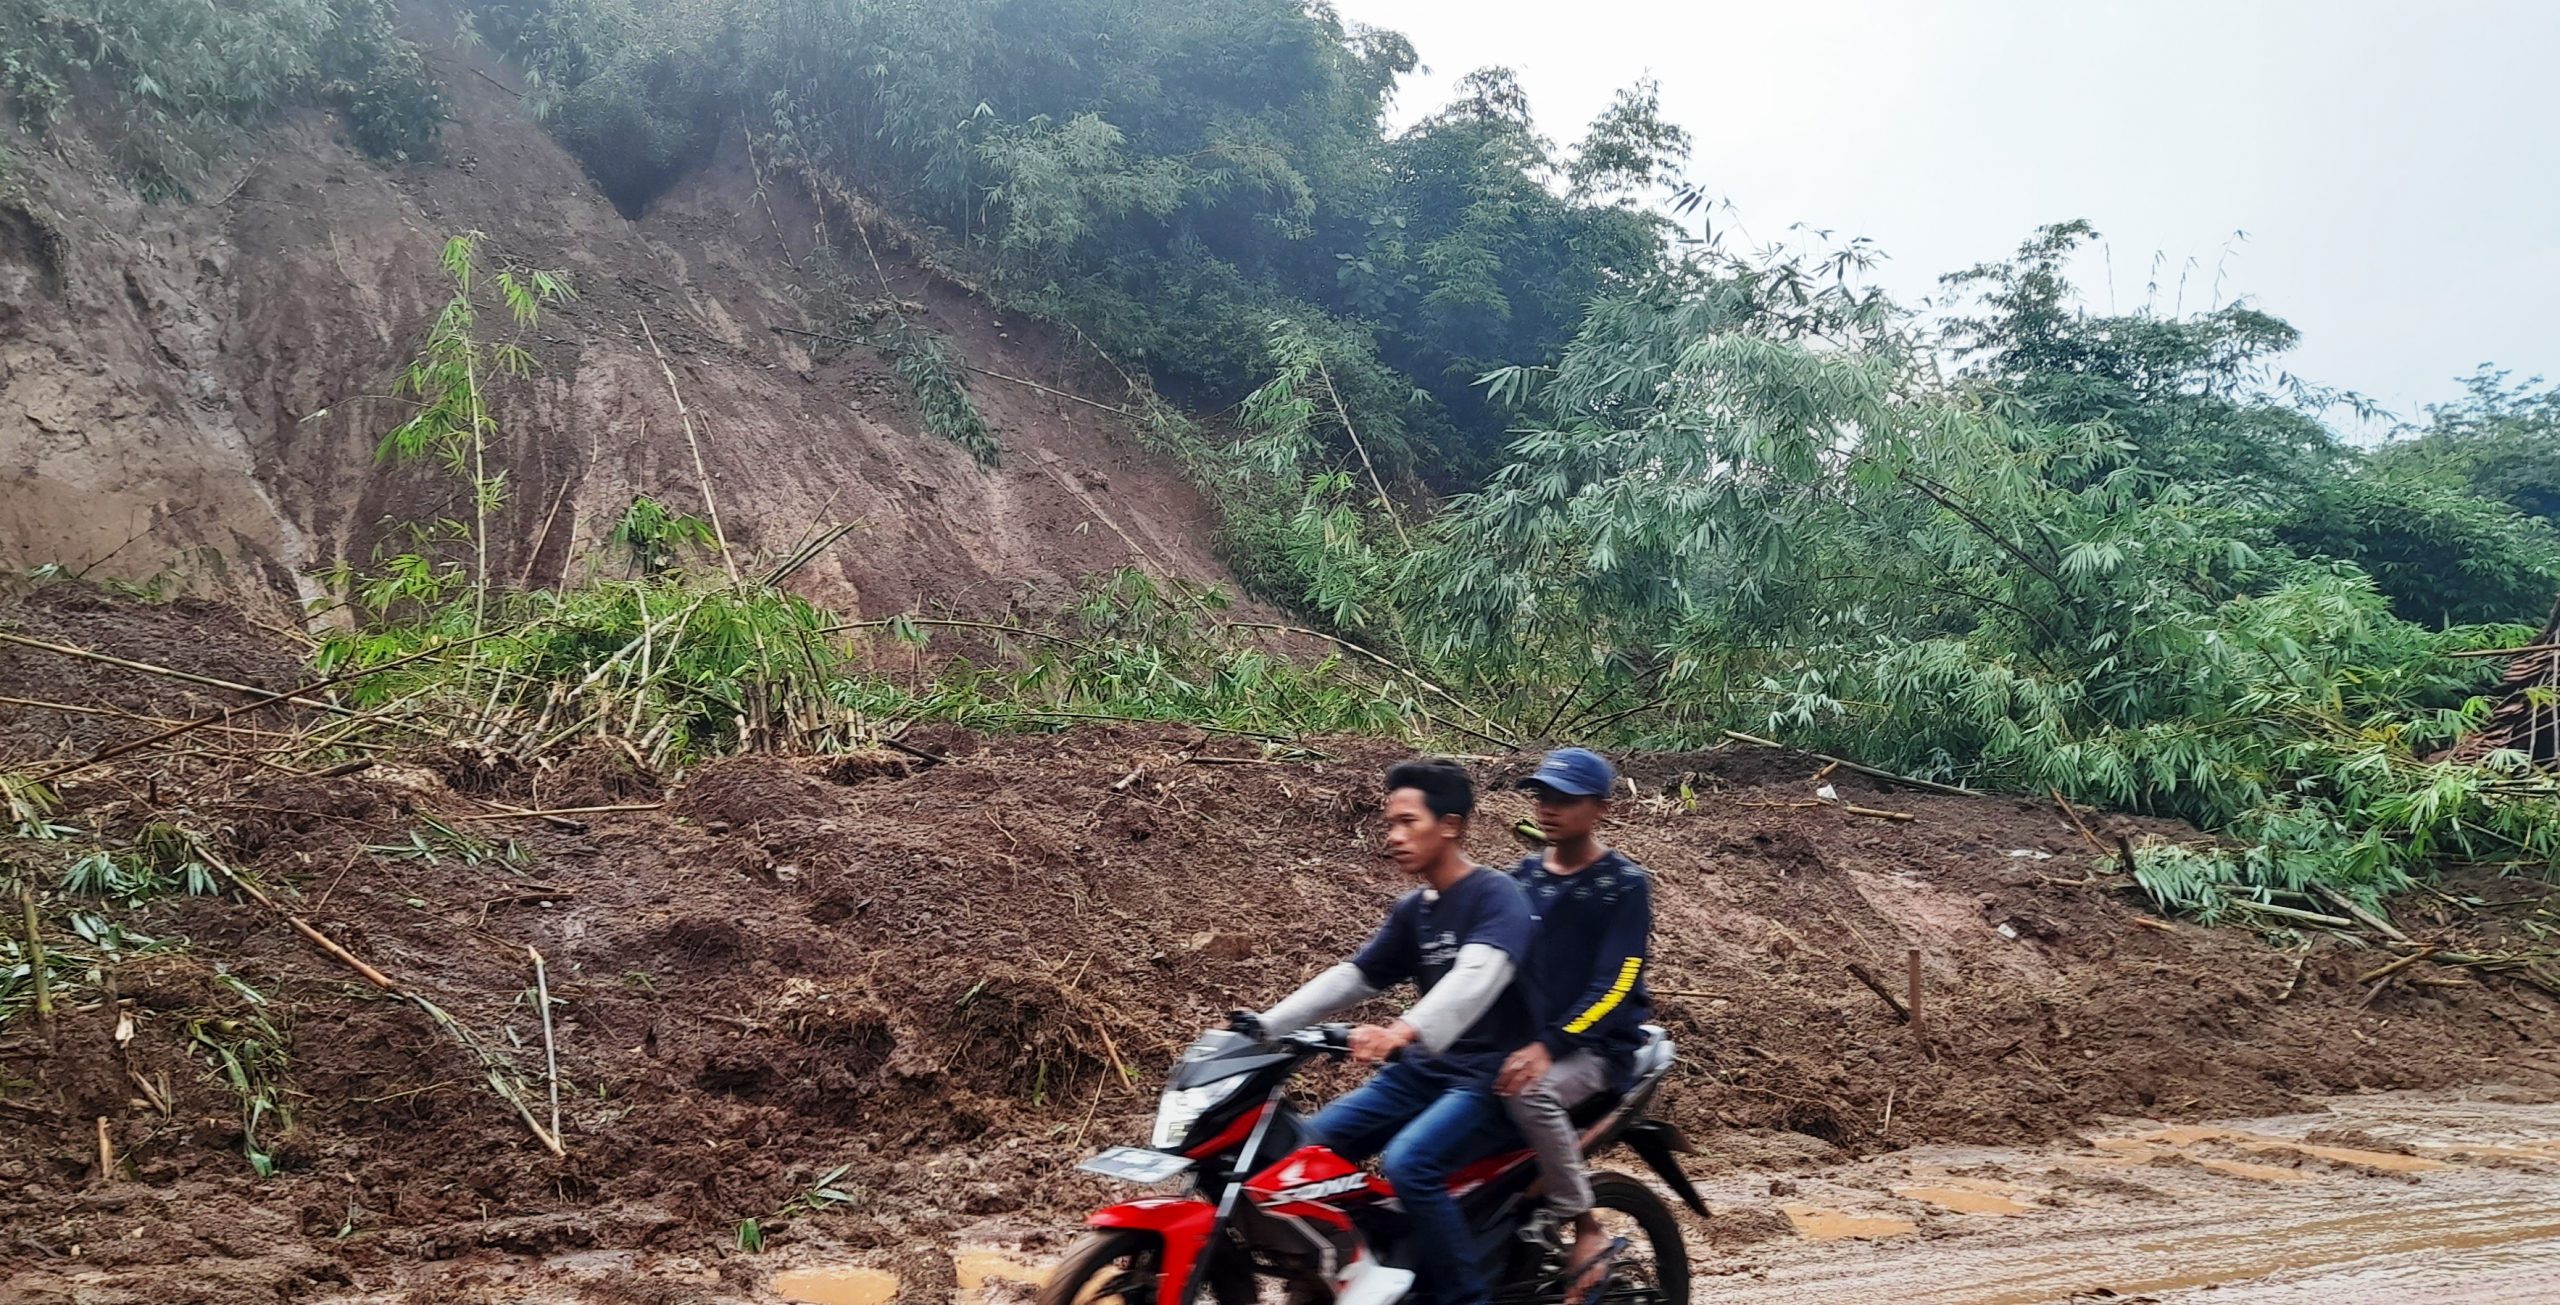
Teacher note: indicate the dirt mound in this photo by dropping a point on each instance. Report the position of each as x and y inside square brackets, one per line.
[182, 384]
[953, 979]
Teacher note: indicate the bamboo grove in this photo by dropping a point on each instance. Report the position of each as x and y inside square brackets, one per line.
[1540, 454]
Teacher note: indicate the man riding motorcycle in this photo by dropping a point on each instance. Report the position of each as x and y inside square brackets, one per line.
[1584, 980]
[1459, 939]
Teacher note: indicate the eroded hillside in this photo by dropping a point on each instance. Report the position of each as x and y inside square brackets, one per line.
[191, 387]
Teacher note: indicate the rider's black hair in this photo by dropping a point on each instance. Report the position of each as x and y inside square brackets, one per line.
[1444, 786]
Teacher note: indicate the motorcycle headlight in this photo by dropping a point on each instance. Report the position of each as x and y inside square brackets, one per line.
[1180, 1108]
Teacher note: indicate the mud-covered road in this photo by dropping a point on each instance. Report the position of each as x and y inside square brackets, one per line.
[2437, 1198]
[2441, 1198]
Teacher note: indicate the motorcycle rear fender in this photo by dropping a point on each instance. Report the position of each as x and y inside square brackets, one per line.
[1659, 1145]
[1181, 1222]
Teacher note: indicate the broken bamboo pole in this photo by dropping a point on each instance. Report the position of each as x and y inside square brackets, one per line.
[701, 472]
[550, 1051]
[295, 695]
[1876, 986]
[2386, 971]
[35, 957]
[1926, 785]
[1911, 962]
[164, 672]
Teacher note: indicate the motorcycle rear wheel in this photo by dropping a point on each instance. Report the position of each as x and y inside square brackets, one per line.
[1119, 1266]
[1655, 1268]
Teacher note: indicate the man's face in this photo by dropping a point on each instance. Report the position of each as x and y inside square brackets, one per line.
[1563, 817]
[1415, 837]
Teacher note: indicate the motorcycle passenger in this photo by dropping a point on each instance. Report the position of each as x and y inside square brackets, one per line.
[1584, 977]
[1458, 939]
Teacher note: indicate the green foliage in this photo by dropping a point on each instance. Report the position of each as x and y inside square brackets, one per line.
[652, 537]
[248, 1053]
[2108, 559]
[1168, 178]
[184, 72]
[2444, 554]
[450, 382]
[2501, 441]
[941, 392]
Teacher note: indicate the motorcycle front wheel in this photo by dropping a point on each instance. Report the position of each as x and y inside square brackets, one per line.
[1119, 1266]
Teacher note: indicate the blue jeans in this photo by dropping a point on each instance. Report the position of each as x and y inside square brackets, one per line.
[1428, 1122]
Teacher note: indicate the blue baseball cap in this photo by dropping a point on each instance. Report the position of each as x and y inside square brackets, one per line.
[1575, 772]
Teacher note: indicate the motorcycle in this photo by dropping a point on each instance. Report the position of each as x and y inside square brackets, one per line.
[1260, 1202]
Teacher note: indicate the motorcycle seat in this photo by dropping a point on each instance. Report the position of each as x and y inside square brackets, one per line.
[1653, 1059]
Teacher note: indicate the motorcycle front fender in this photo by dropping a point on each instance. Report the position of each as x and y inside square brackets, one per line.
[1182, 1222]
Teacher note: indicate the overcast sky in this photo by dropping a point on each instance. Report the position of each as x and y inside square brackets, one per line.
[2395, 165]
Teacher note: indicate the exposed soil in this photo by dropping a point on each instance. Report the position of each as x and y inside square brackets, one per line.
[932, 973]
[184, 382]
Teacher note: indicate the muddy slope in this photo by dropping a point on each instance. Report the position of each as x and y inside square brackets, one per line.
[183, 382]
[935, 976]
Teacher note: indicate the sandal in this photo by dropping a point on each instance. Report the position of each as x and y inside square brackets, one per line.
[1593, 1279]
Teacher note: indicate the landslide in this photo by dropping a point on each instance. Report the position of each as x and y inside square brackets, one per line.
[189, 385]
[952, 980]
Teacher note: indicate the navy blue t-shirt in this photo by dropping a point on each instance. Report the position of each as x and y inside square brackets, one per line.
[1584, 975]
[1420, 942]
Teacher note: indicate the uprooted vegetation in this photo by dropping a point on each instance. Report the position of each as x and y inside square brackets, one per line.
[751, 973]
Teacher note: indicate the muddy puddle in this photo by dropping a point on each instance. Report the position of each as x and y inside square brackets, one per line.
[980, 1273]
[2389, 1198]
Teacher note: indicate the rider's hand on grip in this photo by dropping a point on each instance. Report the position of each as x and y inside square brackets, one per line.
[1372, 1044]
[1247, 1023]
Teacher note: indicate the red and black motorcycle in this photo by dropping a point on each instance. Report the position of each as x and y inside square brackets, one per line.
[1261, 1203]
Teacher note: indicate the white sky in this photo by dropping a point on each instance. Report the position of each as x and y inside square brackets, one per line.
[2396, 165]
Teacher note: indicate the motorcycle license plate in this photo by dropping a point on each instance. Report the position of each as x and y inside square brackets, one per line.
[1136, 1164]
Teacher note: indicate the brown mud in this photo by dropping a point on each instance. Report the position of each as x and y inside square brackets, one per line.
[189, 387]
[882, 1007]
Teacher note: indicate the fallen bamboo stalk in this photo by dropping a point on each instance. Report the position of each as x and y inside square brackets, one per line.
[78, 710]
[1113, 1050]
[2074, 817]
[954, 623]
[488, 1063]
[2504, 652]
[1876, 986]
[550, 1053]
[35, 957]
[165, 672]
[913, 751]
[701, 472]
[225, 715]
[2289, 913]
[1911, 958]
[1392, 665]
[2362, 916]
[2386, 971]
[1926, 785]
[552, 813]
[1901, 817]
[2300, 960]
[491, 1069]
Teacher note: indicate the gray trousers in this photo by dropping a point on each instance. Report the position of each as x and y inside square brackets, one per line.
[1544, 1115]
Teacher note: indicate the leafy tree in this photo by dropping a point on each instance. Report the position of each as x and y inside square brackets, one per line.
[2501, 441]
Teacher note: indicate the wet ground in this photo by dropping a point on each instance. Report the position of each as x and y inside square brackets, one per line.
[2449, 1198]
[2394, 1197]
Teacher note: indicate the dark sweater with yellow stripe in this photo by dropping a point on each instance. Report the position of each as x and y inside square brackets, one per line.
[1590, 944]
